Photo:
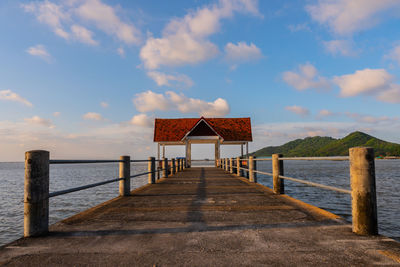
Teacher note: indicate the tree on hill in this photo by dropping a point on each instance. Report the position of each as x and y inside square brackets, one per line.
[327, 146]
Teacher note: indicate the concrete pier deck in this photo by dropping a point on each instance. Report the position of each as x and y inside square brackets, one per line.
[202, 217]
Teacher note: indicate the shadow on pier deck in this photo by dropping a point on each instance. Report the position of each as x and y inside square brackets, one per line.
[202, 217]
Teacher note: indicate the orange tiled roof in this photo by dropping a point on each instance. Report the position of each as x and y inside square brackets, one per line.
[230, 129]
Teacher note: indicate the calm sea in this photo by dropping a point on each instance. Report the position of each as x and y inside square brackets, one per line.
[335, 173]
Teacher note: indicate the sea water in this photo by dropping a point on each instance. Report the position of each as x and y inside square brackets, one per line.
[333, 173]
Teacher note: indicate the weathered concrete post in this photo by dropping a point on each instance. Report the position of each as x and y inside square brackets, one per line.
[176, 166]
[182, 164]
[158, 166]
[277, 169]
[165, 168]
[36, 195]
[125, 172]
[363, 190]
[252, 168]
[238, 166]
[151, 170]
[230, 165]
[226, 164]
[173, 168]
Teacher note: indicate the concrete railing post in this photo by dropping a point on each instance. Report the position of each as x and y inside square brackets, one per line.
[277, 169]
[363, 190]
[173, 168]
[182, 164]
[151, 170]
[36, 193]
[225, 164]
[252, 168]
[230, 165]
[125, 173]
[238, 166]
[158, 167]
[176, 165]
[164, 168]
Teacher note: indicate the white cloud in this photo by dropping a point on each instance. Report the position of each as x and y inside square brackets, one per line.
[150, 101]
[367, 81]
[349, 16]
[12, 96]
[370, 119]
[105, 18]
[342, 47]
[218, 108]
[242, 52]
[121, 51]
[56, 114]
[298, 110]
[39, 51]
[163, 79]
[93, 116]
[91, 12]
[142, 120]
[394, 54]
[306, 78]
[104, 104]
[325, 113]
[50, 14]
[101, 141]
[39, 121]
[184, 40]
[83, 35]
[391, 95]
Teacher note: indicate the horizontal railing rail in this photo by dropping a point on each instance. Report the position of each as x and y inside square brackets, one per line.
[362, 181]
[79, 188]
[82, 161]
[316, 158]
[36, 196]
[327, 187]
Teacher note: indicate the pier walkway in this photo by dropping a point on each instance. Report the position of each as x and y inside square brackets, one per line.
[202, 217]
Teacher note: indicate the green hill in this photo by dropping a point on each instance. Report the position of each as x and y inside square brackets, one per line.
[328, 146]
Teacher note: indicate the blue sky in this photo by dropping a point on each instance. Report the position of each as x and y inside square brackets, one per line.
[86, 78]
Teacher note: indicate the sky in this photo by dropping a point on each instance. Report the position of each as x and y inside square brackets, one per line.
[86, 78]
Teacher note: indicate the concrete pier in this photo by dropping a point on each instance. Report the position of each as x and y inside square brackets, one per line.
[202, 217]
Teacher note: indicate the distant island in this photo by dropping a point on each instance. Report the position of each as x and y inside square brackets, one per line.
[327, 146]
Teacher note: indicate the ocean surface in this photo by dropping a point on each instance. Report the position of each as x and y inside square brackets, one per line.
[334, 173]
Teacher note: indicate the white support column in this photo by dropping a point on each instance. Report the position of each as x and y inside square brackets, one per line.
[241, 149]
[247, 149]
[158, 164]
[217, 153]
[188, 154]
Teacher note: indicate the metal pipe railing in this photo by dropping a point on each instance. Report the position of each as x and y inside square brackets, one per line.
[36, 195]
[83, 161]
[79, 188]
[332, 188]
[362, 178]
